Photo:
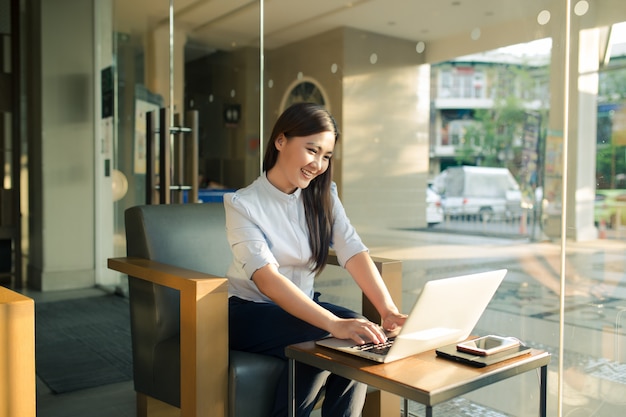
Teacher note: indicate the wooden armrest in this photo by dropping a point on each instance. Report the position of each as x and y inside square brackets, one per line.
[391, 271]
[17, 350]
[203, 331]
[163, 274]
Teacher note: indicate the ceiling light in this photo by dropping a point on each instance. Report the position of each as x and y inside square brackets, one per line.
[581, 8]
[543, 17]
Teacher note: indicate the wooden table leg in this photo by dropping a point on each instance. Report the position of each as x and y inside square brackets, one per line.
[381, 404]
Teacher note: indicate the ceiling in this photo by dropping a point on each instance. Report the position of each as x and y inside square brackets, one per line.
[229, 24]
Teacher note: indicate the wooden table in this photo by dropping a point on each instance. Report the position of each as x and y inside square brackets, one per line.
[424, 378]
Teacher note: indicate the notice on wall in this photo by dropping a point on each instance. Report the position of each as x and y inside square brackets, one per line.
[528, 175]
[107, 92]
[619, 127]
[554, 173]
[553, 185]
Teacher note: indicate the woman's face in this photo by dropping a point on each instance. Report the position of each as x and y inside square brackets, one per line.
[300, 159]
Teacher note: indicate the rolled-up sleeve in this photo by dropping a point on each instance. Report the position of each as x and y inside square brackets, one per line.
[346, 242]
[249, 245]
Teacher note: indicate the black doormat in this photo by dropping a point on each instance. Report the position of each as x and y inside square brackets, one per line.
[83, 343]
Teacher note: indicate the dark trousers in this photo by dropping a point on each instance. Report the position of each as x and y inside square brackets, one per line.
[267, 329]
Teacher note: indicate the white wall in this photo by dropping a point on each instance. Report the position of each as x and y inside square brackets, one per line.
[386, 102]
[63, 257]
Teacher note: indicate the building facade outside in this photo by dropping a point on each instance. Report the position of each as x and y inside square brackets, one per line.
[486, 82]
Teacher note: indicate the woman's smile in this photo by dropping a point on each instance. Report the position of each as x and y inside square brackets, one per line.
[308, 174]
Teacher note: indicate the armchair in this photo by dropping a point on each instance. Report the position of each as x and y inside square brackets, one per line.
[177, 257]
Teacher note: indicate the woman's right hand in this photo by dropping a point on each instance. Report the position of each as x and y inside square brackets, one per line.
[360, 330]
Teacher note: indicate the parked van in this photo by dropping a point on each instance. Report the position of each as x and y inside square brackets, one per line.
[484, 192]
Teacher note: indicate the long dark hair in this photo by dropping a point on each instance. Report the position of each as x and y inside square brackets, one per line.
[305, 119]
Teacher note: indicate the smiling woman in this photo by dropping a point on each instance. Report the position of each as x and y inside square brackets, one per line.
[280, 229]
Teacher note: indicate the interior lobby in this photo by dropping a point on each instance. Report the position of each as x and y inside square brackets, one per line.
[79, 78]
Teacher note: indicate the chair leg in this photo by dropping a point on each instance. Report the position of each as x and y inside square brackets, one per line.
[381, 404]
[142, 405]
[151, 407]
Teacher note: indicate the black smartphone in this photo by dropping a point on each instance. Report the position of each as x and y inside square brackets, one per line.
[487, 345]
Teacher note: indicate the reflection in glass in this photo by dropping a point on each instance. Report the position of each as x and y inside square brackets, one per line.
[439, 88]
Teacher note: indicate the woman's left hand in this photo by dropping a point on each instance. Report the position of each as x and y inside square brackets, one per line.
[393, 321]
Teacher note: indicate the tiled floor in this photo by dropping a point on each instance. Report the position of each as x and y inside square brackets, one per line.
[116, 400]
[527, 292]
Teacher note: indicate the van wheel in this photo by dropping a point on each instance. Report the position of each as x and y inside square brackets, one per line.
[486, 214]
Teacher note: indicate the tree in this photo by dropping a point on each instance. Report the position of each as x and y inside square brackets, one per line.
[610, 163]
[610, 156]
[612, 85]
[494, 138]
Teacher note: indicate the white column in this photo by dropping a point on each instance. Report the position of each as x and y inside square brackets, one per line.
[104, 136]
[583, 167]
[61, 241]
[583, 90]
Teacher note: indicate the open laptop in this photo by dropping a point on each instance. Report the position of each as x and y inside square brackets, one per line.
[445, 312]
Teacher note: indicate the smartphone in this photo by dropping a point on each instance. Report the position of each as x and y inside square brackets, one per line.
[487, 345]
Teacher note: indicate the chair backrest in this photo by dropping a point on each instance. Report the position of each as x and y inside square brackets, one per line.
[191, 236]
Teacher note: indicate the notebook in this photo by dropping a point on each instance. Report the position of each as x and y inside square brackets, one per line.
[445, 312]
[450, 352]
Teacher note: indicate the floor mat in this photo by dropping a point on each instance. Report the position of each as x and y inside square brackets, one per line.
[83, 343]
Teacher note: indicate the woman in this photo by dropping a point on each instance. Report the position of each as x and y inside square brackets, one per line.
[280, 229]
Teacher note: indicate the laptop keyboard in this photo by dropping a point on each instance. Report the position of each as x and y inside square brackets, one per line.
[376, 348]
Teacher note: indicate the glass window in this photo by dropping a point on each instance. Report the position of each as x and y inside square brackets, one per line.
[446, 83]
[395, 79]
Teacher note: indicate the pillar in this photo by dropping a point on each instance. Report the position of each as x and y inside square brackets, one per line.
[581, 137]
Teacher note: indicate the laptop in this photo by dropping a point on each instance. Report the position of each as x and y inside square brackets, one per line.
[445, 312]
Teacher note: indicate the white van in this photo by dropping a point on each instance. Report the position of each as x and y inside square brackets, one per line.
[484, 192]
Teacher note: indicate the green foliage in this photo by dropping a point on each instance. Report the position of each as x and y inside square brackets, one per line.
[610, 158]
[492, 138]
[610, 162]
[612, 86]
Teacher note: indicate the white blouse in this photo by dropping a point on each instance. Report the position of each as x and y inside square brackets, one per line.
[265, 225]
